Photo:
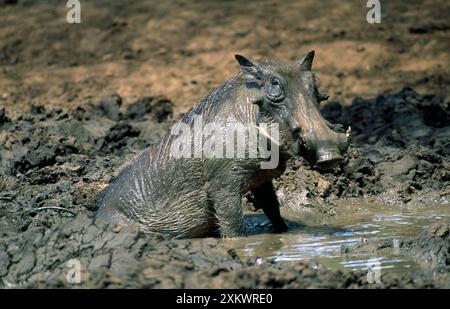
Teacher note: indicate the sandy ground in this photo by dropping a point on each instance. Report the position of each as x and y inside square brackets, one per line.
[183, 49]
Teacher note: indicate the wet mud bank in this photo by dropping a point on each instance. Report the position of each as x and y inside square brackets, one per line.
[55, 161]
[399, 154]
[114, 258]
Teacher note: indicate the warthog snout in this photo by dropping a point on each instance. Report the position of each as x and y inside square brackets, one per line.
[327, 150]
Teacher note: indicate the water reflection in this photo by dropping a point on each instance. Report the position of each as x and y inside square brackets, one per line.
[324, 243]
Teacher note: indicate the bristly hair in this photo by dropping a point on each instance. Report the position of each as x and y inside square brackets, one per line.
[317, 80]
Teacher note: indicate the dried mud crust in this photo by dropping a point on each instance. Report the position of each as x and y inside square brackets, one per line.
[59, 158]
[185, 48]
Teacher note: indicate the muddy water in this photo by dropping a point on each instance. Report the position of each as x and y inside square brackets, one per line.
[355, 223]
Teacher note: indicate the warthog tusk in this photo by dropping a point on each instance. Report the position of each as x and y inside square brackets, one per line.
[349, 130]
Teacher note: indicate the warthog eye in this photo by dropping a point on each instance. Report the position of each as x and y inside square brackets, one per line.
[275, 92]
[322, 96]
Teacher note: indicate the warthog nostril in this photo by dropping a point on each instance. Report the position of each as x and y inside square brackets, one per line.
[328, 159]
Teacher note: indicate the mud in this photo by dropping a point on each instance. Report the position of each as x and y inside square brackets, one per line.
[56, 161]
[59, 158]
[117, 258]
[431, 250]
[399, 154]
[77, 102]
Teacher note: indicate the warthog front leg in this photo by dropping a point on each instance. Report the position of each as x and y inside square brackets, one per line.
[266, 199]
[228, 212]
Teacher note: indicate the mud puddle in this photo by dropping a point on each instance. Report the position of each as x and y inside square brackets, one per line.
[328, 243]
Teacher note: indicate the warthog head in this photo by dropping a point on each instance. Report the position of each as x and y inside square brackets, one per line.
[288, 94]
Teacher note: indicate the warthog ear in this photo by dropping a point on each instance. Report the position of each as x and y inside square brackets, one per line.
[251, 69]
[306, 62]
